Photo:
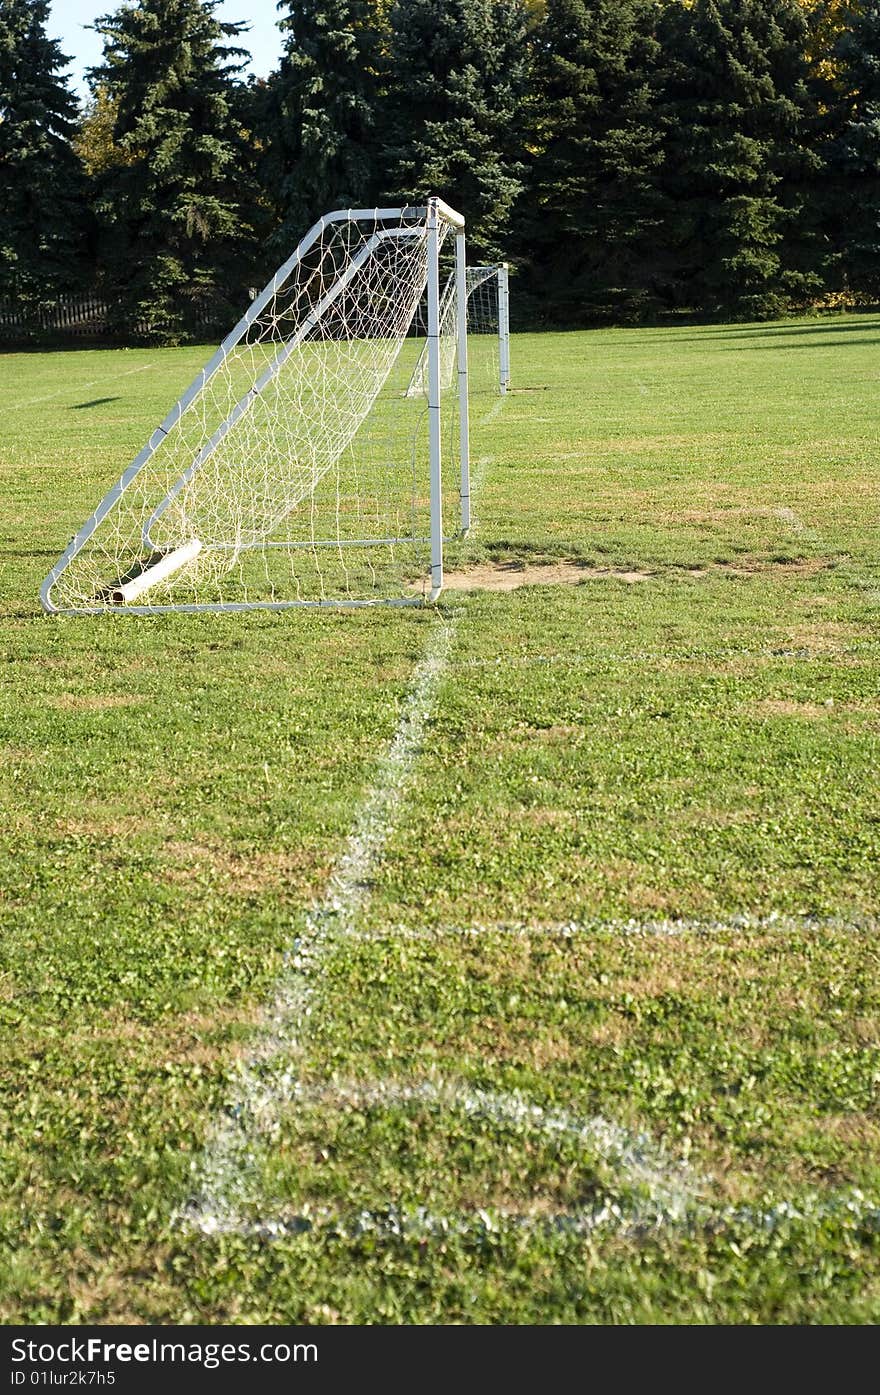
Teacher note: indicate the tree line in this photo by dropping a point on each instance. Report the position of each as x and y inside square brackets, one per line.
[630, 158]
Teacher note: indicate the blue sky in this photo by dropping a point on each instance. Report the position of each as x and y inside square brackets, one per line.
[68, 18]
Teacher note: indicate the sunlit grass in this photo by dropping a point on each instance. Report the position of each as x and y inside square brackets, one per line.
[700, 745]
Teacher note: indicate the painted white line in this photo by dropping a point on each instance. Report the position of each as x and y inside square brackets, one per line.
[76, 388]
[740, 922]
[267, 1081]
[794, 520]
[634, 1220]
[662, 1188]
[640, 1161]
[665, 1195]
[494, 411]
[669, 658]
[350, 880]
[650, 1192]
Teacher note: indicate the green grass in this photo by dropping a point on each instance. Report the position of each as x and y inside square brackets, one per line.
[698, 748]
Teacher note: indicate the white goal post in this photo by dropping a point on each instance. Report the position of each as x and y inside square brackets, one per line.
[487, 298]
[298, 468]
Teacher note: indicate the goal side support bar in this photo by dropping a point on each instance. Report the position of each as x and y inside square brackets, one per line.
[462, 362]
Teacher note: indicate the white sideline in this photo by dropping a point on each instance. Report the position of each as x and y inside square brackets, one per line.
[267, 1079]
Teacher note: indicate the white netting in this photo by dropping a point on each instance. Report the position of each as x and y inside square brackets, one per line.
[484, 370]
[298, 468]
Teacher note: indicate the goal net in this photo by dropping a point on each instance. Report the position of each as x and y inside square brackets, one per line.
[488, 333]
[298, 468]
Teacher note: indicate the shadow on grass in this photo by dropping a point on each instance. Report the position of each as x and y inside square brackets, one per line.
[22, 553]
[771, 333]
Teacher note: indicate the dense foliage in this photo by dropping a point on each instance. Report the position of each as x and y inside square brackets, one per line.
[43, 217]
[175, 209]
[630, 158]
[319, 113]
[457, 80]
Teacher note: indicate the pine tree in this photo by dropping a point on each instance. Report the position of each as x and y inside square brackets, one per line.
[42, 208]
[320, 112]
[852, 194]
[737, 115]
[456, 81]
[177, 245]
[588, 212]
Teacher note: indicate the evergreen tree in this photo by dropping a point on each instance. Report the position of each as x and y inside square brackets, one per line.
[42, 207]
[737, 116]
[852, 193]
[588, 211]
[175, 205]
[320, 112]
[456, 82]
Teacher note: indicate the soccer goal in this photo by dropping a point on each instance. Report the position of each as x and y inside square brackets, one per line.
[298, 468]
[488, 331]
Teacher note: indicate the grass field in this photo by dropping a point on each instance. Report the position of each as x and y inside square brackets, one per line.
[514, 962]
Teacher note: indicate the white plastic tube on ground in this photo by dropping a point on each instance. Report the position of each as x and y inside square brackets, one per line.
[172, 562]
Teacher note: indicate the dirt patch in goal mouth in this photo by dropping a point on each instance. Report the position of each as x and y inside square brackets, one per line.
[508, 576]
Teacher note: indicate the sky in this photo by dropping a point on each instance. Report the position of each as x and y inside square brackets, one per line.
[68, 20]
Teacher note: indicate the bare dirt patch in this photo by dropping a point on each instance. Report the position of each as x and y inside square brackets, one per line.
[714, 818]
[125, 826]
[725, 514]
[196, 1038]
[22, 755]
[509, 576]
[786, 707]
[757, 566]
[247, 874]
[825, 636]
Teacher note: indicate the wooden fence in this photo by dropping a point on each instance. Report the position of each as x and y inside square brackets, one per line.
[75, 317]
